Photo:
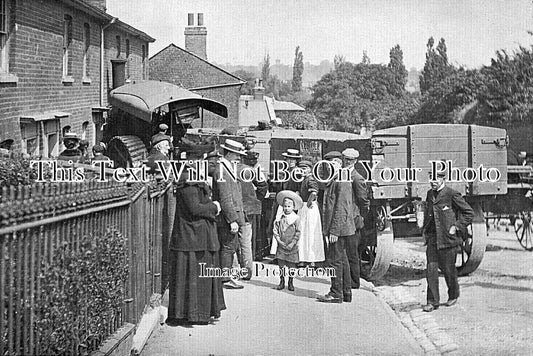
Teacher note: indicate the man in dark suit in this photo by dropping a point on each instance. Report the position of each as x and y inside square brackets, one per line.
[446, 214]
[361, 207]
[338, 225]
[228, 192]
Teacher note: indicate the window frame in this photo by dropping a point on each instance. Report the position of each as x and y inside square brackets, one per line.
[86, 55]
[68, 24]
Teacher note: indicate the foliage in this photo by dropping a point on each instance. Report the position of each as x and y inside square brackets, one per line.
[297, 70]
[355, 95]
[17, 171]
[443, 102]
[508, 94]
[398, 70]
[82, 292]
[249, 78]
[299, 121]
[436, 67]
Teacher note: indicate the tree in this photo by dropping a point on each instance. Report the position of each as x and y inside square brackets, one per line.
[265, 68]
[366, 58]
[297, 70]
[398, 70]
[436, 67]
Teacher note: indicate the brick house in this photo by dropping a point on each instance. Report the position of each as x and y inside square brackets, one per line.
[55, 74]
[190, 69]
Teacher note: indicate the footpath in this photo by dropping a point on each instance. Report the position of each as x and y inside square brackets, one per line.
[260, 320]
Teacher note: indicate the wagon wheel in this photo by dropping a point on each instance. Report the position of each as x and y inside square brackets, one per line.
[471, 251]
[523, 228]
[376, 257]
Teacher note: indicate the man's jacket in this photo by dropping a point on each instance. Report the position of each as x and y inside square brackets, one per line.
[251, 191]
[360, 198]
[227, 191]
[448, 208]
[338, 212]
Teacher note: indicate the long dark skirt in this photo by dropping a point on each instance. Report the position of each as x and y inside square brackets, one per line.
[192, 297]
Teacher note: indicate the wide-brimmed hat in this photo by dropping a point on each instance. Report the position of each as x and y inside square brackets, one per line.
[350, 153]
[292, 153]
[233, 146]
[159, 138]
[298, 202]
[332, 154]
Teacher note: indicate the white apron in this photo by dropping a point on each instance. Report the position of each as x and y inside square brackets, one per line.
[311, 244]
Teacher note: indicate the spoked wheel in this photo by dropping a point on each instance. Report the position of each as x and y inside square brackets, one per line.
[523, 227]
[472, 249]
[376, 258]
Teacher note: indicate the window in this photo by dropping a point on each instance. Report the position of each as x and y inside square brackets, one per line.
[4, 27]
[143, 58]
[127, 58]
[118, 46]
[86, 45]
[84, 130]
[67, 40]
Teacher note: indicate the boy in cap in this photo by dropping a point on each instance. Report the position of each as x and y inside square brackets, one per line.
[361, 207]
[440, 229]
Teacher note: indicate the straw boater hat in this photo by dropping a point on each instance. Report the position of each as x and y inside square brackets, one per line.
[233, 146]
[298, 202]
[292, 153]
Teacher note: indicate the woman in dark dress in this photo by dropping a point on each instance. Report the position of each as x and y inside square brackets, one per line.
[194, 299]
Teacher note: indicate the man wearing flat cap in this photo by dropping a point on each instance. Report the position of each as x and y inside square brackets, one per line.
[446, 214]
[159, 152]
[228, 192]
[338, 226]
[361, 208]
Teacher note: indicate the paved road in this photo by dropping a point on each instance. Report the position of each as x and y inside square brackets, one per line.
[263, 321]
[494, 315]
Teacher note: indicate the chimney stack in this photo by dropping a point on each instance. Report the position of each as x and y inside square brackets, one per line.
[258, 90]
[100, 4]
[196, 35]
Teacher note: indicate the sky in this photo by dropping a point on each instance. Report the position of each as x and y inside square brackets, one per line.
[243, 31]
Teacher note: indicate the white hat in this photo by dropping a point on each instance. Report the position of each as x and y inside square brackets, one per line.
[233, 146]
[350, 153]
[292, 153]
[298, 202]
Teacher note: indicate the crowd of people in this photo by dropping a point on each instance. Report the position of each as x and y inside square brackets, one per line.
[217, 222]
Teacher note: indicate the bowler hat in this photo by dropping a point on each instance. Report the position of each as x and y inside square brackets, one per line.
[350, 153]
[332, 154]
[298, 202]
[233, 146]
[292, 153]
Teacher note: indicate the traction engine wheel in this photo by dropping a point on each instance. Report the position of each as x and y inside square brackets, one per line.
[523, 227]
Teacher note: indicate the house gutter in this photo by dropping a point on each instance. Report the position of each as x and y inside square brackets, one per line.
[102, 66]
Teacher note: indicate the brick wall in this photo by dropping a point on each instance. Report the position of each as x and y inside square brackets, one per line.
[36, 58]
[179, 67]
[228, 96]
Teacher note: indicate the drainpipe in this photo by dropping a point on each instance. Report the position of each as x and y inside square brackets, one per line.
[102, 67]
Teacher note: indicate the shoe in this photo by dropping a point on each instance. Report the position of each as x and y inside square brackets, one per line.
[450, 302]
[231, 284]
[328, 298]
[281, 284]
[290, 286]
[430, 307]
[347, 298]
